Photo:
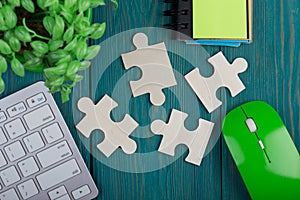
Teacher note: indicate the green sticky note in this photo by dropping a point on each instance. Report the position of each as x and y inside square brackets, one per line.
[220, 19]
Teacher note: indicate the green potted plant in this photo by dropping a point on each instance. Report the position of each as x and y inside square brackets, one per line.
[49, 37]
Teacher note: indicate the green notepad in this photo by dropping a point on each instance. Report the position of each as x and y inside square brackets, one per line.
[220, 19]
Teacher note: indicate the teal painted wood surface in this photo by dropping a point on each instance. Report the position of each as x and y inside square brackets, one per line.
[272, 76]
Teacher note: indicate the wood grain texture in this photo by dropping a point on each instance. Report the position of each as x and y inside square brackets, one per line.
[272, 76]
[177, 181]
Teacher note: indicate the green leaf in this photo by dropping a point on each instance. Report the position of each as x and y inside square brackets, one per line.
[2, 85]
[55, 44]
[57, 70]
[86, 31]
[58, 81]
[14, 44]
[4, 47]
[58, 28]
[81, 50]
[34, 64]
[65, 59]
[43, 4]
[96, 3]
[15, 3]
[78, 78]
[22, 34]
[57, 55]
[2, 22]
[28, 5]
[73, 68]
[50, 75]
[65, 92]
[78, 18]
[17, 67]
[54, 89]
[71, 77]
[62, 68]
[48, 3]
[116, 5]
[92, 52]
[67, 14]
[3, 64]
[98, 30]
[48, 23]
[86, 22]
[69, 3]
[84, 65]
[28, 55]
[81, 22]
[40, 47]
[38, 54]
[54, 7]
[69, 34]
[9, 16]
[3, 26]
[47, 82]
[83, 5]
[8, 34]
[50, 72]
[71, 45]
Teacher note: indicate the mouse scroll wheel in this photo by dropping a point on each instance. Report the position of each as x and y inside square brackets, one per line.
[251, 125]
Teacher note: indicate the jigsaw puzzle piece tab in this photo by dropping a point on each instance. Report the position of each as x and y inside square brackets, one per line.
[225, 75]
[157, 71]
[174, 133]
[88, 123]
[98, 117]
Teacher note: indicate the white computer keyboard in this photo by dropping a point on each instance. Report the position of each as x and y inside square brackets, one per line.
[38, 156]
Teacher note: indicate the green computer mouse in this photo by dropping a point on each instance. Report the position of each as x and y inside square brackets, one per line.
[263, 151]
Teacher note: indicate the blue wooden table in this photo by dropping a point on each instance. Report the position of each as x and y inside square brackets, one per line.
[272, 76]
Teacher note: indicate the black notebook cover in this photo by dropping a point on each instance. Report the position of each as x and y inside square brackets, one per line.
[181, 18]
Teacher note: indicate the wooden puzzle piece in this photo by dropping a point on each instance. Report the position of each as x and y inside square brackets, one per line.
[225, 75]
[98, 117]
[154, 62]
[174, 133]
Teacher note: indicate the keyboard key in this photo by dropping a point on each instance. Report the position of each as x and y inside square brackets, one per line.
[2, 137]
[58, 192]
[28, 166]
[2, 159]
[33, 142]
[52, 133]
[2, 116]
[58, 174]
[9, 195]
[16, 109]
[39, 117]
[38, 158]
[81, 192]
[15, 128]
[14, 151]
[65, 197]
[36, 100]
[9, 176]
[54, 154]
[28, 189]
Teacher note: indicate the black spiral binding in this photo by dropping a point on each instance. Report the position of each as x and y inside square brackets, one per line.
[181, 14]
